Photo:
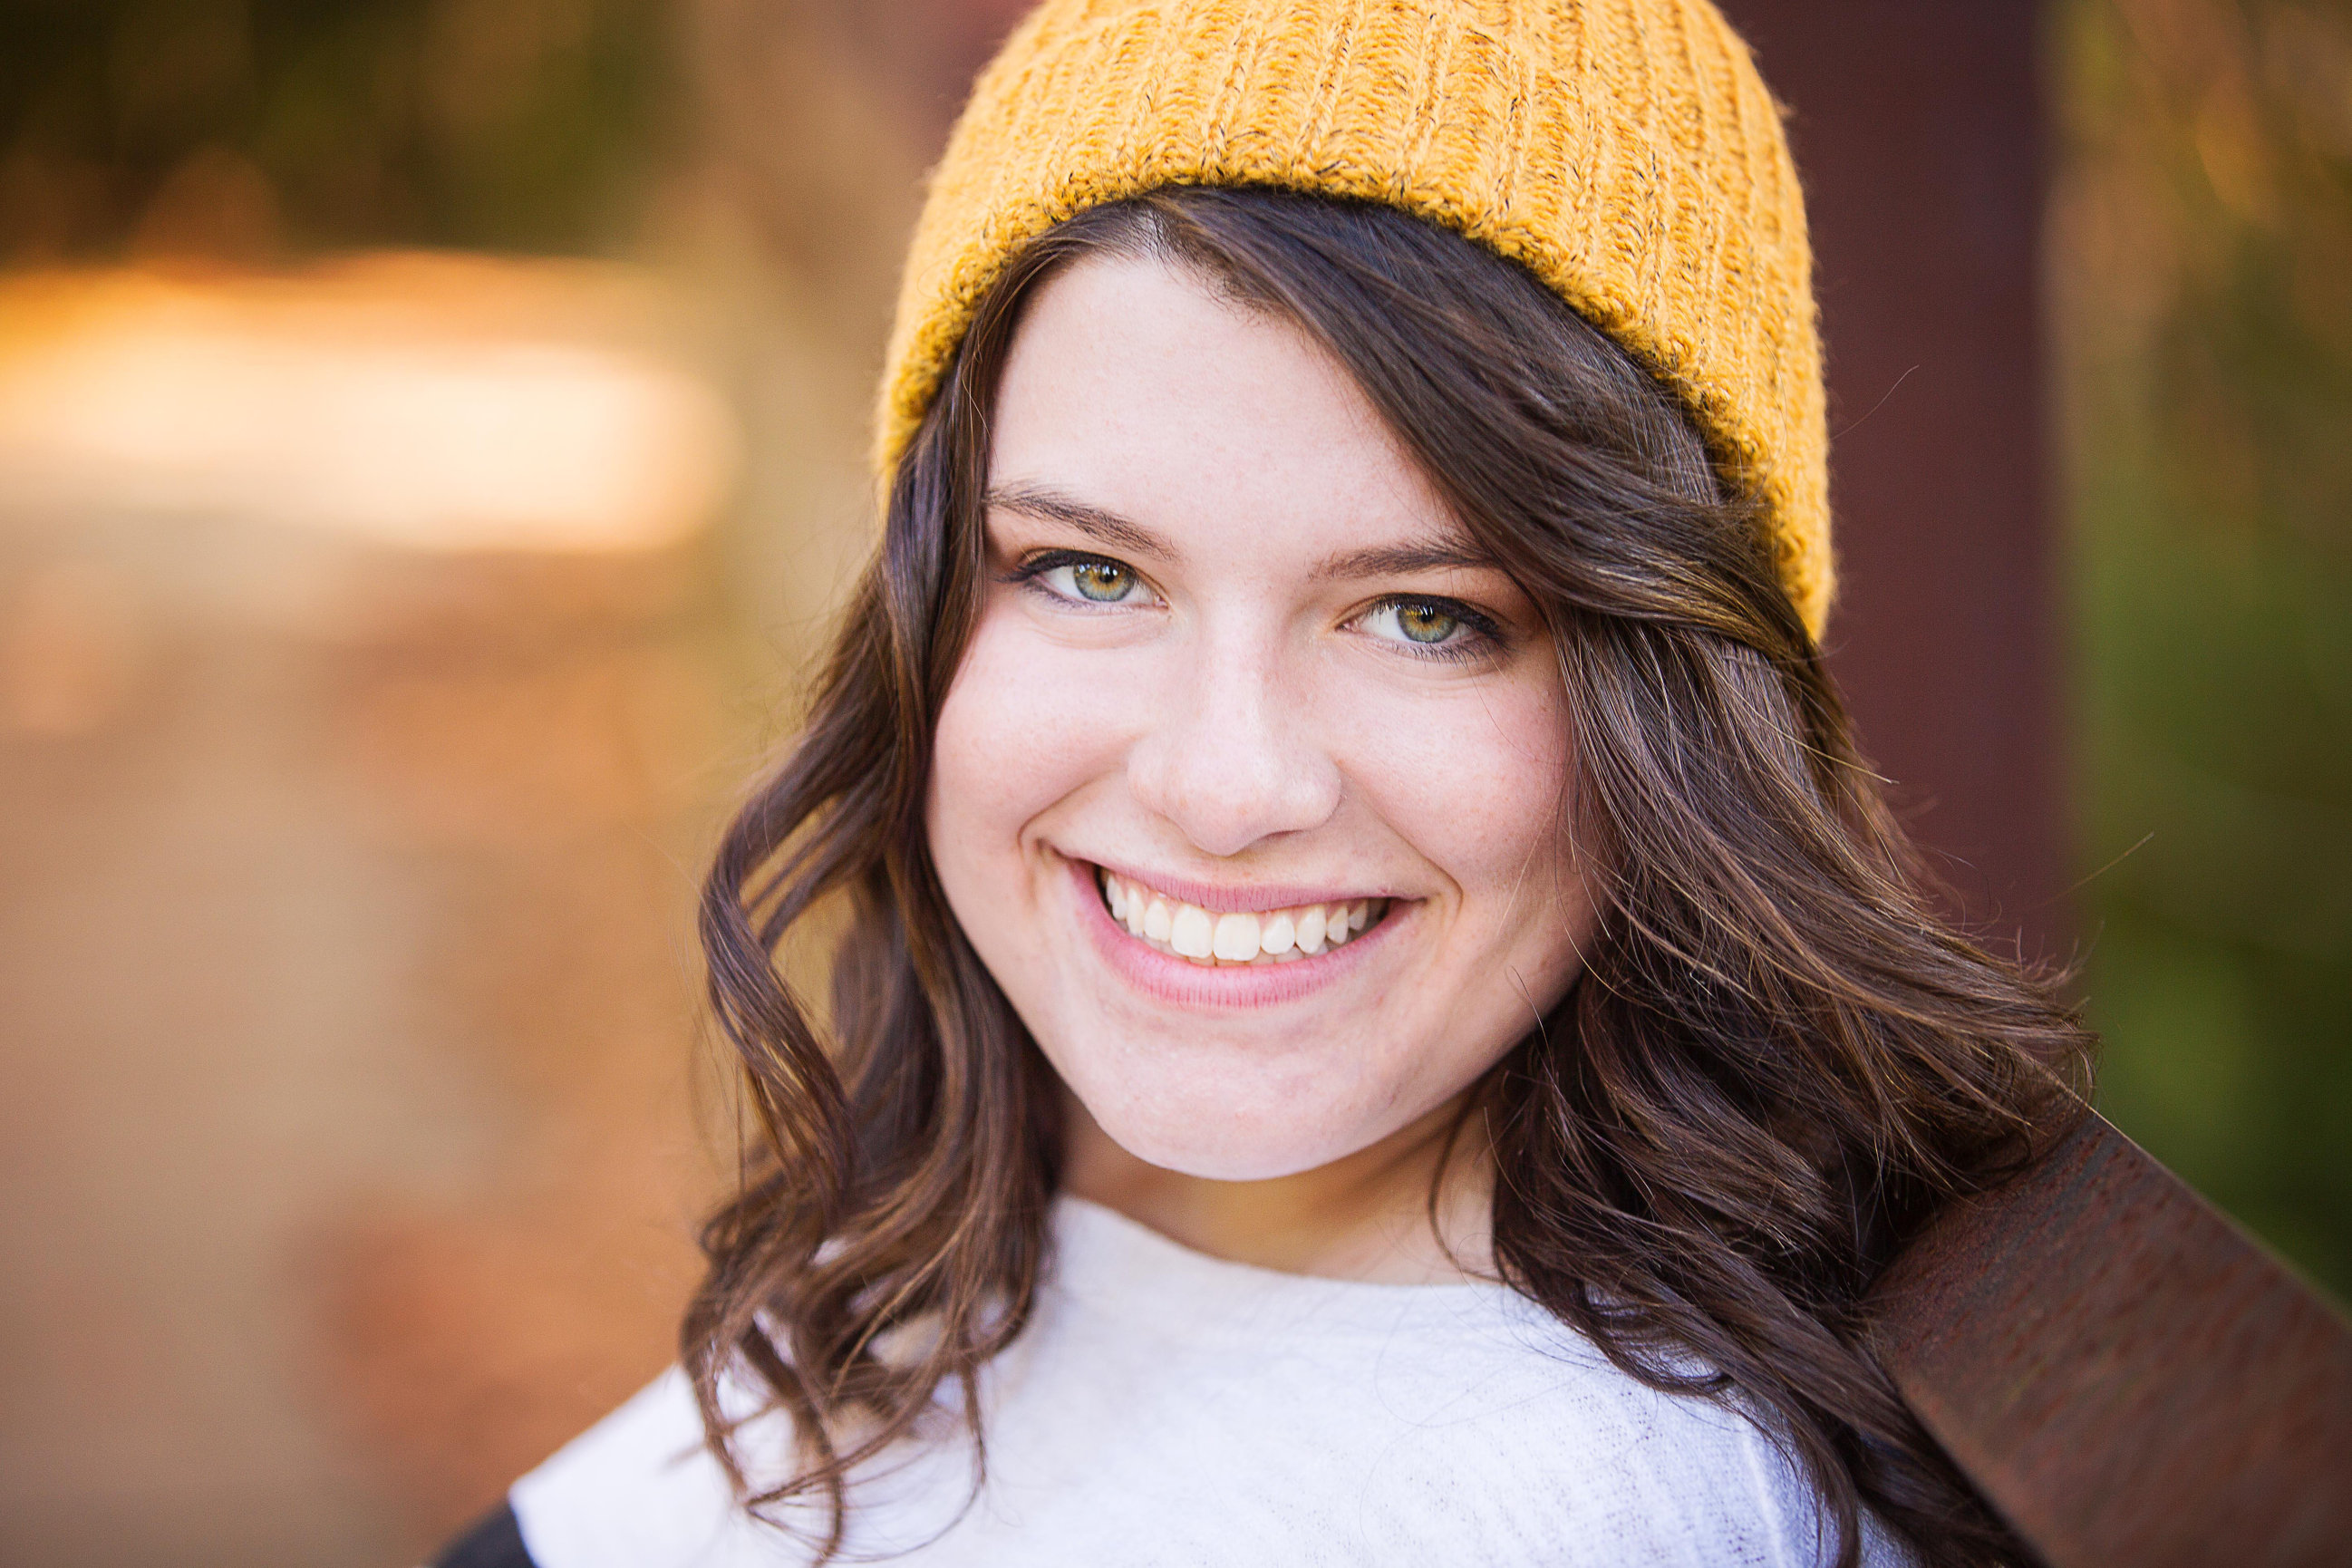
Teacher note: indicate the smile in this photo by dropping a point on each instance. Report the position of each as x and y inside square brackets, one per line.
[1219, 939]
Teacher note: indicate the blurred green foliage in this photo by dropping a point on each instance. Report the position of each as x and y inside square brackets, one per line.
[248, 127]
[2202, 258]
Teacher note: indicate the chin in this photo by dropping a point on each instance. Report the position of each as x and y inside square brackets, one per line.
[1227, 1138]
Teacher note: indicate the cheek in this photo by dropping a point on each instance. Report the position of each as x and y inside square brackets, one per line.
[1479, 787]
[1015, 735]
[1482, 791]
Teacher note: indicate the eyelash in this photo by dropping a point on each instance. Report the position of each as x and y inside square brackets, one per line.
[1486, 635]
[1027, 573]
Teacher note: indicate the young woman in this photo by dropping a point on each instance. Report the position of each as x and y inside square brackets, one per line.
[1382, 1019]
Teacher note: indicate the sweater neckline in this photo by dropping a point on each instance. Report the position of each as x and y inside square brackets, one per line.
[1108, 1262]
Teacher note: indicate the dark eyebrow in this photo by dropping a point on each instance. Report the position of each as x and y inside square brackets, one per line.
[1403, 560]
[1051, 506]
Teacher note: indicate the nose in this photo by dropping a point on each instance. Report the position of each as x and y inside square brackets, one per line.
[1233, 758]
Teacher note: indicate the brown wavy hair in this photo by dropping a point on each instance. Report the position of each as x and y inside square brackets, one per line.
[1777, 1062]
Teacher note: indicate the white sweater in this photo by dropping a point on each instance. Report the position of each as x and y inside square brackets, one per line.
[1164, 1407]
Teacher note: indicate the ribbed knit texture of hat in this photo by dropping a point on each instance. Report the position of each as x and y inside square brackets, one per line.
[1625, 152]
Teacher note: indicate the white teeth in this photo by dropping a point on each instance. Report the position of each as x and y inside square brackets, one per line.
[1278, 936]
[1236, 939]
[1310, 930]
[1189, 932]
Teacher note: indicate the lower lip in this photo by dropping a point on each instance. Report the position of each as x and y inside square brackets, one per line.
[1167, 978]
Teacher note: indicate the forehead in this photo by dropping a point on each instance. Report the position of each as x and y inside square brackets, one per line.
[1137, 386]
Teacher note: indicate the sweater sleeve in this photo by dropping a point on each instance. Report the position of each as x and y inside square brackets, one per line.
[638, 1491]
[495, 1540]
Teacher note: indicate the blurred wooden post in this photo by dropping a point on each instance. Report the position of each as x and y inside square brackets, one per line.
[1917, 128]
[359, 728]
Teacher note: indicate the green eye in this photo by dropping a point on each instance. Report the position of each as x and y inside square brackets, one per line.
[1101, 581]
[1427, 623]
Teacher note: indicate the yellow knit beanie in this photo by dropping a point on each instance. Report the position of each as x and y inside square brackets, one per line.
[1625, 152]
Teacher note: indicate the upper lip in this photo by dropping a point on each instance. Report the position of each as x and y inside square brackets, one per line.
[1239, 898]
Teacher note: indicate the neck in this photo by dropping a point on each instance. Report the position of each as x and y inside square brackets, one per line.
[1367, 1217]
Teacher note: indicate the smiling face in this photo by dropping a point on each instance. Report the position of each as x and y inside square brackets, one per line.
[1251, 790]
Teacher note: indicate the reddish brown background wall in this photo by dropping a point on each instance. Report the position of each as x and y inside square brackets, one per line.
[1916, 125]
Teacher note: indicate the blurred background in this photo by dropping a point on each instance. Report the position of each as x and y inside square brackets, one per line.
[431, 446]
